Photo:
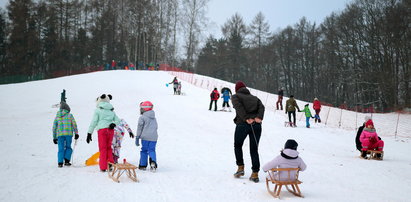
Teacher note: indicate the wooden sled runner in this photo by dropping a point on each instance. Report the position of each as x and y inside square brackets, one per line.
[373, 154]
[274, 173]
[120, 168]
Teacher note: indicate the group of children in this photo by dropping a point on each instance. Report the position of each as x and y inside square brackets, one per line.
[110, 130]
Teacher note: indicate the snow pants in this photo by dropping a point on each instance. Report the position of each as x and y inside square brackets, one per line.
[225, 103]
[105, 139]
[148, 149]
[289, 116]
[307, 122]
[317, 115]
[280, 102]
[254, 133]
[117, 139]
[211, 105]
[65, 150]
[367, 145]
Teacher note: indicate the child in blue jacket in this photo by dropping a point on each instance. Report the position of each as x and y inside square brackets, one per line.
[226, 97]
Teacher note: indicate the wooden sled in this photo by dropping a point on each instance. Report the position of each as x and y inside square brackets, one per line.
[273, 173]
[119, 169]
[373, 154]
[289, 124]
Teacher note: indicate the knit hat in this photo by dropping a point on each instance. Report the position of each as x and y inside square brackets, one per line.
[369, 122]
[291, 144]
[238, 85]
[64, 105]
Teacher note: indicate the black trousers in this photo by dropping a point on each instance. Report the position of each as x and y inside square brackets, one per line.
[226, 104]
[241, 132]
[215, 105]
[289, 116]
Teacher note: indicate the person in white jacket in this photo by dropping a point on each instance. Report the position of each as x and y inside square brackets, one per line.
[287, 159]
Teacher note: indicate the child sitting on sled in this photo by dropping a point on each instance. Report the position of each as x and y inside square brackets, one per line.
[370, 141]
[287, 159]
[147, 132]
[118, 138]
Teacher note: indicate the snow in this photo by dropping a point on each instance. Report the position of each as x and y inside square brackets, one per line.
[195, 148]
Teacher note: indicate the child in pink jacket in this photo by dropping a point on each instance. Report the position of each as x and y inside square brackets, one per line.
[369, 140]
[287, 159]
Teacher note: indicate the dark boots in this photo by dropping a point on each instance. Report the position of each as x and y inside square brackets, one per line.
[67, 162]
[60, 165]
[364, 154]
[254, 177]
[240, 172]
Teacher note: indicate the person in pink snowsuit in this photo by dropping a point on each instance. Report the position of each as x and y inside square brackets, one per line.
[369, 139]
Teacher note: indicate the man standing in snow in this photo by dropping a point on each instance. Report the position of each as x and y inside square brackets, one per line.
[249, 115]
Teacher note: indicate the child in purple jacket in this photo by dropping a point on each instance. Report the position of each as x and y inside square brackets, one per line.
[287, 159]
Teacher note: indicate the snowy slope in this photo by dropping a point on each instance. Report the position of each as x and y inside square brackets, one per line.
[195, 148]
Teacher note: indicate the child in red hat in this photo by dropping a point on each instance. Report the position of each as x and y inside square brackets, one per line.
[369, 140]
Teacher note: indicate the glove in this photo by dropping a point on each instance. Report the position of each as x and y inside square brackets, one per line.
[131, 135]
[76, 136]
[137, 142]
[285, 112]
[88, 140]
[312, 117]
[111, 126]
[55, 141]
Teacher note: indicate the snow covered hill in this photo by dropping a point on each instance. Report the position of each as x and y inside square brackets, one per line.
[195, 148]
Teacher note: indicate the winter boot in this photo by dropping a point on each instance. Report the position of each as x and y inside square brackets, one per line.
[364, 154]
[142, 167]
[240, 172]
[60, 165]
[153, 166]
[67, 162]
[254, 177]
[378, 156]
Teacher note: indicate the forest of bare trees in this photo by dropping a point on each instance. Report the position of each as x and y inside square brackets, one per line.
[359, 57]
[39, 37]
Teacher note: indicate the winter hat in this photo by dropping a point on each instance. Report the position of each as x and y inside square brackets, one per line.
[146, 106]
[291, 144]
[315, 98]
[64, 105]
[238, 85]
[369, 122]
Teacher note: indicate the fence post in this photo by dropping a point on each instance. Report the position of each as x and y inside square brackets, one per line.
[339, 122]
[329, 109]
[396, 128]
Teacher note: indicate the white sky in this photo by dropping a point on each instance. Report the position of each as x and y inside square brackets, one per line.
[278, 13]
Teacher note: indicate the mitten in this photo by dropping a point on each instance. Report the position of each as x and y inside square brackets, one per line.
[137, 142]
[76, 136]
[88, 140]
[131, 135]
[55, 141]
[111, 126]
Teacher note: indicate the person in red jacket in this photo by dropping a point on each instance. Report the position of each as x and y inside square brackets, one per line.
[214, 97]
[317, 109]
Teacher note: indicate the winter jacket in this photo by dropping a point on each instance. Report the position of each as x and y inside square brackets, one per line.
[281, 93]
[357, 138]
[174, 82]
[64, 124]
[316, 105]
[307, 111]
[103, 117]
[369, 134]
[119, 132]
[290, 105]
[147, 127]
[288, 159]
[226, 96]
[215, 95]
[247, 106]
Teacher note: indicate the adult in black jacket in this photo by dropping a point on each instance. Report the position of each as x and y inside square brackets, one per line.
[249, 114]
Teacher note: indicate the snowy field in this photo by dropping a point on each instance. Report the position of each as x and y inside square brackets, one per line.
[195, 148]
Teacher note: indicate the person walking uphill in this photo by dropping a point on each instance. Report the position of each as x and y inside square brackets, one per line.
[317, 109]
[63, 128]
[104, 121]
[175, 85]
[290, 106]
[147, 132]
[249, 115]
[280, 98]
[214, 95]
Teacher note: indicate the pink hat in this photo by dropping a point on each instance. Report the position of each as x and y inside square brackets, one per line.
[369, 122]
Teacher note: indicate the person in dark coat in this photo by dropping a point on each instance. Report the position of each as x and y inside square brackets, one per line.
[249, 115]
[290, 107]
[280, 98]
